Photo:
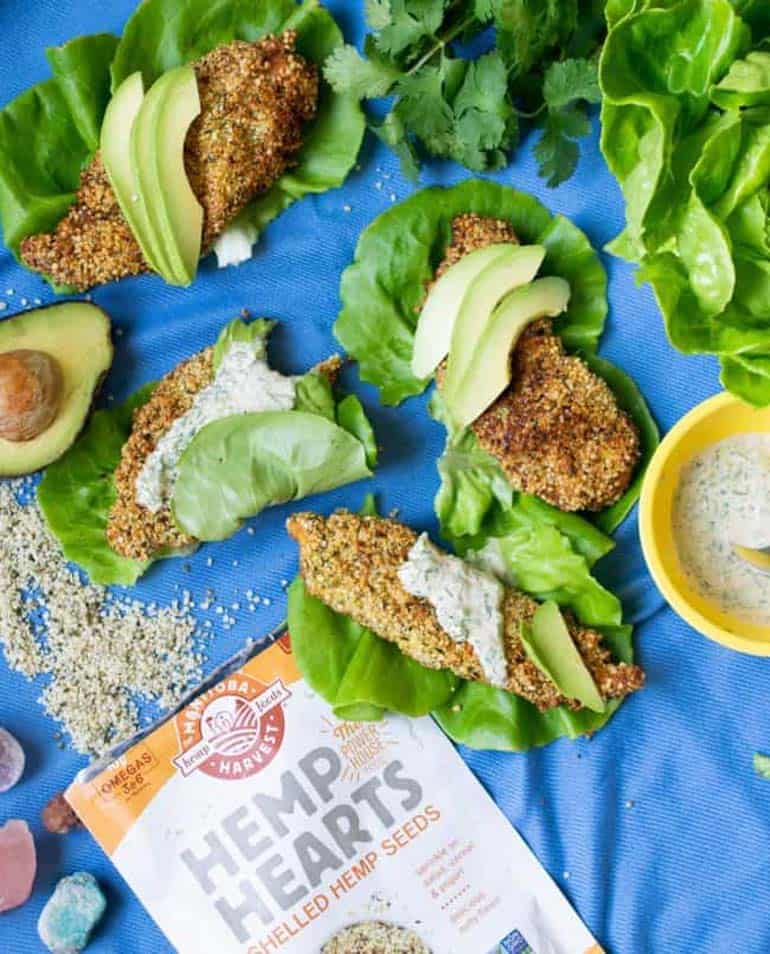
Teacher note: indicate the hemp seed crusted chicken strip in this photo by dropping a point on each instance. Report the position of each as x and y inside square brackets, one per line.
[351, 563]
[557, 430]
[255, 98]
[133, 530]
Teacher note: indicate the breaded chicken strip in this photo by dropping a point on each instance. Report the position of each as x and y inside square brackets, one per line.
[255, 98]
[351, 563]
[133, 530]
[557, 430]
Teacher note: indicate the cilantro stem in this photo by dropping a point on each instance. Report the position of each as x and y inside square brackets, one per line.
[441, 42]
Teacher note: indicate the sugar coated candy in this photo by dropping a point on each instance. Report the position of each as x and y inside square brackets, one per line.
[11, 760]
[18, 864]
[71, 913]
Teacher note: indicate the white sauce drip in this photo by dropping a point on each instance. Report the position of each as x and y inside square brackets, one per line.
[723, 498]
[243, 384]
[467, 601]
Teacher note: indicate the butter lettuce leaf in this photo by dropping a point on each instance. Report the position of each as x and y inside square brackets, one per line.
[396, 256]
[50, 132]
[361, 675]
[235, 467]
[686, 131]
[77, 492]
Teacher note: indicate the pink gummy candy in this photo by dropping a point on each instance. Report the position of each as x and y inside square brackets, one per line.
[18, 864]
[11, 760]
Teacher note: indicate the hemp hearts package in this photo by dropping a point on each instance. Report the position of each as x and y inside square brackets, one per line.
[252, 821]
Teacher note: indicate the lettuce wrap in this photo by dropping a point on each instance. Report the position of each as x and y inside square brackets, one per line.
[232, 468]
[382, 292]
[686, 132]
[49, 133]
[362, 676]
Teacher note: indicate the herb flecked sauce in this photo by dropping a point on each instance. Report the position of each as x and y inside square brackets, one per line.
[723, 498]
[467, 601]
[244, 383]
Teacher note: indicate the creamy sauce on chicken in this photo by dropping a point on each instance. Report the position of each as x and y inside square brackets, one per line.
[243, 384]
[723, 498]
[467, 601]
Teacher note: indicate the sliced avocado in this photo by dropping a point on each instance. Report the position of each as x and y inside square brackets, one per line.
[548, 644]
[489, 372]
[439, 313]
[115, 144]
[157, 158]
[516, 267]
[76, 335]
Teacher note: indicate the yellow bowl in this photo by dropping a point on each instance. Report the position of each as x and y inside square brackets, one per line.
[713, 420]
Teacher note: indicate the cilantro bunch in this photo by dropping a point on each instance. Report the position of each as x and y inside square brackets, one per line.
[541, 69]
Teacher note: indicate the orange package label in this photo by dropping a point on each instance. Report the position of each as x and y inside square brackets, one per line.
[285, 829]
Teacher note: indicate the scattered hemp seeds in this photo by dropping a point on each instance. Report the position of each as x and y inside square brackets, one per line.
[100, 650]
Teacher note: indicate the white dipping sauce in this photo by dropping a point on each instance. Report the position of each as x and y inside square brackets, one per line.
[723, 498]
[243, 384]
[467, 601]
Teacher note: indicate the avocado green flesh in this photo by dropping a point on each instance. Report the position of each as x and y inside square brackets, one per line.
[157, 157]
[77, 335]
[548, 644]
[516, 267]
[439, 313]
[489, 371]
[115, 144]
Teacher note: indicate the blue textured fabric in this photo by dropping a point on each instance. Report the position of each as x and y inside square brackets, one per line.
[657, 829]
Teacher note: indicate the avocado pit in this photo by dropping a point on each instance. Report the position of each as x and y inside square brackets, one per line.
[30, 393]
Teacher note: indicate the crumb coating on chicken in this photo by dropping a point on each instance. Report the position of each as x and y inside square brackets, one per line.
[557, 430]
[255, 99]
[351, 563]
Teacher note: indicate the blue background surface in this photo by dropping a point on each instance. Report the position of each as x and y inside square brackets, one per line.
[657, 829]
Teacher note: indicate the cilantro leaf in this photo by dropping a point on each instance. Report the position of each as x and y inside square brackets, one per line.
[567, 81]
[424, 110]
[484, 116]
[346, 71]
[762, 765]
[393, 133]
[526, 29]
[410, 23]
[556, 151]
[378, 13]
[566, 85]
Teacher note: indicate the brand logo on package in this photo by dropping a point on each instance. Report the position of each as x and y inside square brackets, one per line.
[233, 730]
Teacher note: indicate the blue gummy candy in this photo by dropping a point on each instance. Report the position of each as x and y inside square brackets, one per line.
[72, 912]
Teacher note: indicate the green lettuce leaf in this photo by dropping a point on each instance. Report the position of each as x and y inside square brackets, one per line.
[397, 254]
[630, 400]
[50, 132]
[485, 718]
[162, 34]
[686, 131]
[474, 492]
[254, 333]
[362, 677]
[235, 467]
[356, 671]
[747, 83]
[77, 492]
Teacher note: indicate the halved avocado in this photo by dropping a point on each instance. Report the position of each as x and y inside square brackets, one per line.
[76, 335]
[115, 144]
[157, 159]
